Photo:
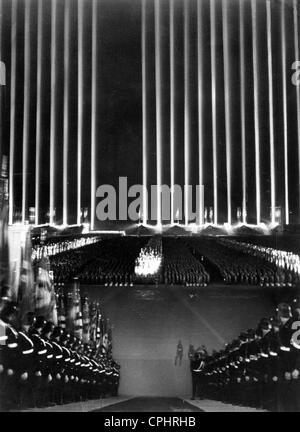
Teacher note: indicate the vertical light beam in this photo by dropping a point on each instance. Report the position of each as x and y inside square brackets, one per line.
[53, 108]
[66, 109]
[242, 106]
[271, 112]
[200, 106]
[94, 113]
[26, 113]
[12, 107]
[227, 105]
[187, 126]
[79, 107]
[144, 114]
[158, 92]
[172, 106]
[256, 110]
[38, 137]
[214, 105]
[285, 119]
[296, 45]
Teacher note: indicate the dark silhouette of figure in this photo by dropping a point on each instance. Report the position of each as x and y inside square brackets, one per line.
[179, 353]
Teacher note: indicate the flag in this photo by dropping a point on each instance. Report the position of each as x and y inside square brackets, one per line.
[4, 250]
[26, 292]
[78, 313]
[93, 323]
[70, 313]
[86, 320]
[45, 299]
[98, 327]
[61, 311]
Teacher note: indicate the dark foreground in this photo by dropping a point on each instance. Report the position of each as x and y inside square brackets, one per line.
[151, 404]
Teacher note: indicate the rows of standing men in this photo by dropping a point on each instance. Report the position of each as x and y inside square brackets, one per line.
[43, 365]
[260, 368]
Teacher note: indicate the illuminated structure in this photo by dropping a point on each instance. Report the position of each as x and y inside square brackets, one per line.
[208, 108]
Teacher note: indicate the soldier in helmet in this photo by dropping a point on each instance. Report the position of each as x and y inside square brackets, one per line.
[57, 365]
[8, 352]
[40, 360]
[26, 363]
[284, 314]
[295, 356]
[48, 373]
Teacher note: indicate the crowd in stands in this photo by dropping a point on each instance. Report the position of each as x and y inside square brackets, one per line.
[181, 267]
[259, 369]
[148, 264]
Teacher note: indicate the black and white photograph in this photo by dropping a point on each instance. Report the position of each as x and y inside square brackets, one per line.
[149, 208]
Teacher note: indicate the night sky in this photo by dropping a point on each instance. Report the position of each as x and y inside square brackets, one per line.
[119, 120]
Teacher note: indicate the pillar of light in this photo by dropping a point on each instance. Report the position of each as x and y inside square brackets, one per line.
[214, 105]
[158, 92]
[285, 120]
[94, 113]
[38, 113]
[200, 106]
[144, 107]
[187, 113]
[271, 112]
[296, 45]
[256, 109]
[242, 107]
[227, 105]
[79, 108]
[172, 106]
[66, 109]
[26, 108]
[13, 65]
[53, 108]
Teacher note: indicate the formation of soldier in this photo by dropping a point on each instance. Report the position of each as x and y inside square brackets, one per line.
[181, 267]
[42, 364]
[236, 266]
[109, 262]
[189, 261]
[59, 245]
[260, 368]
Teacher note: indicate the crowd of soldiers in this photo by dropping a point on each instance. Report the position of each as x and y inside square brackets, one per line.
[56, 246]
[113, 263]
[43, 365]
[238, 267]
[258, 369]
[181, 267]
[122, 261]
[287, 263]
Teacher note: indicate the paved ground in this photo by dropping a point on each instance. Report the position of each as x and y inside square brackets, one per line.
[146, 404]
[151, 404]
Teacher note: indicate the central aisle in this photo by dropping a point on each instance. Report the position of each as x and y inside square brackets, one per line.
[148, 404]
[148, 322]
